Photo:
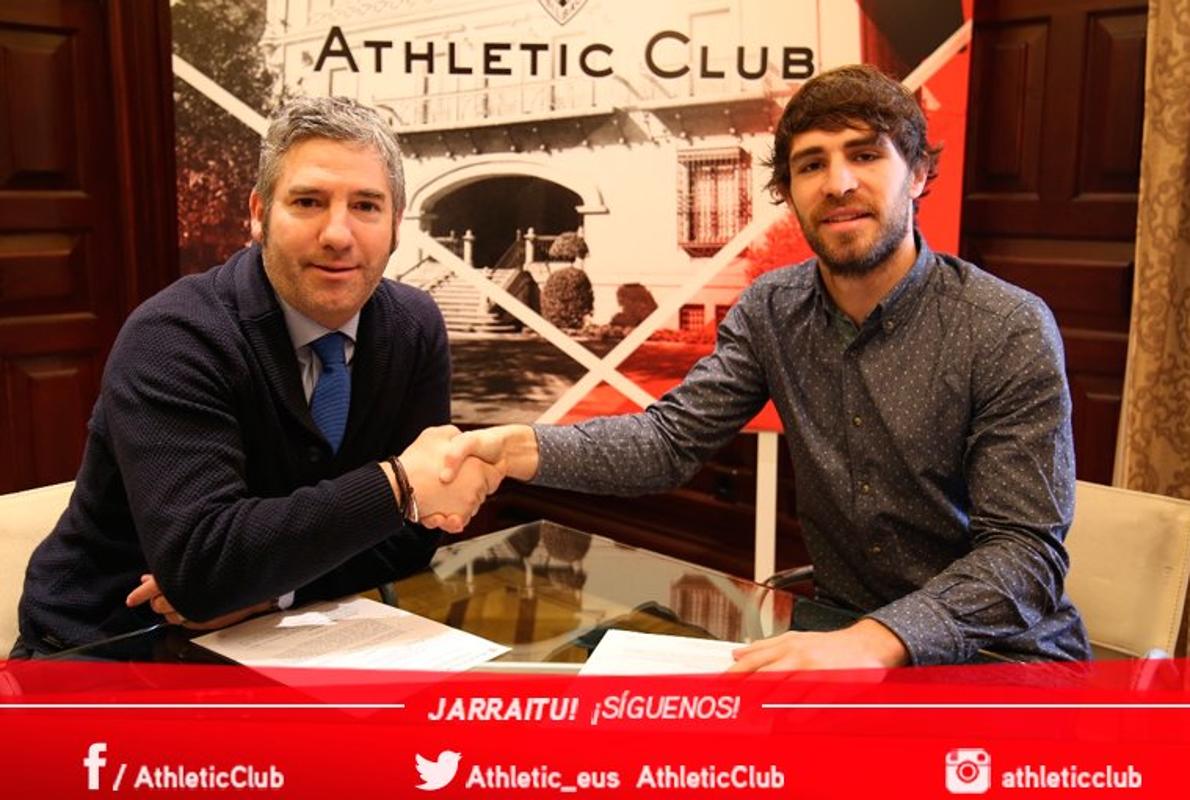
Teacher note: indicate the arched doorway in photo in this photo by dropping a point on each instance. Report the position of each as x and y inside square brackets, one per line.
[501, 211]
[504, 226]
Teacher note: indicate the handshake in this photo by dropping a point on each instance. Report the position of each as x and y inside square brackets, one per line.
[452, 472]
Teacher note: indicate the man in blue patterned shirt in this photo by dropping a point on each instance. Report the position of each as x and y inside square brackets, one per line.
[924, 402]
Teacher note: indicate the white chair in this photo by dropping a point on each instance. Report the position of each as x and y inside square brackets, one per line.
[1129, 569]
[25, 519]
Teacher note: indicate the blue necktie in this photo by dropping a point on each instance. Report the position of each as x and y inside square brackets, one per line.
[332, 393]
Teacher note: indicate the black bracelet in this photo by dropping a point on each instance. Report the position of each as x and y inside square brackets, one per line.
[408, 505]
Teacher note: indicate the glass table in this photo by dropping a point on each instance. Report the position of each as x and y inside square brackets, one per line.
[550, 592]
[546, 591]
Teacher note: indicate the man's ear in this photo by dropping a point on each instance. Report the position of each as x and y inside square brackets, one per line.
[256, 215]
[918, 183]
[396, 232]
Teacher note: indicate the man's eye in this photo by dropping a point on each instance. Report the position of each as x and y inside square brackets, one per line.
[867, 156]
[368, 206]
[809, 166]
[305, 202]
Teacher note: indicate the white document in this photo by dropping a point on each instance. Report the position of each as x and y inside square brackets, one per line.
[356, 633]
[632, 653]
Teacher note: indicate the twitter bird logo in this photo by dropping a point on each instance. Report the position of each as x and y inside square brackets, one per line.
[436, 774]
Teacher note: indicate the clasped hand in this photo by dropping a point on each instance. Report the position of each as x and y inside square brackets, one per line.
[447, 500]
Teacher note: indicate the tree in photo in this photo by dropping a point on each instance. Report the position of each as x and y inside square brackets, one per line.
[570, 246]
[781, 244]
[216, 153]
[568, 298]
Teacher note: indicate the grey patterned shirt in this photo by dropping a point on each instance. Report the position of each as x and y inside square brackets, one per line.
[932, 452]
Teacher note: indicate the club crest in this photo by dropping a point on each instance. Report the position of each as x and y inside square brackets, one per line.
[562, 10]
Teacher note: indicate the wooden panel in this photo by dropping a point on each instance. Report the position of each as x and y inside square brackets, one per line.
[1071, 237]
[1098, 352]
[36, 70]
[1005, 138]
[1113, 112]
[51, 333]
[59, 306]
[1095, 367]
[86, 211]
[1096, 422]
[1064, 157]
[41, 273]
[50, 398]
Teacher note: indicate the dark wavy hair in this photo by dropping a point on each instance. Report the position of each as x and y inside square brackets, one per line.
[853, 96]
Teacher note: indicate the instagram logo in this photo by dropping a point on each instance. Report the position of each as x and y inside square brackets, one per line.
[968, 770]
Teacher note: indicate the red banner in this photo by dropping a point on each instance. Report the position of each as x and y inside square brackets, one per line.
[92, 729]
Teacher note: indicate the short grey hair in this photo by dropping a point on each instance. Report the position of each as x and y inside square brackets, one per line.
[338, 119]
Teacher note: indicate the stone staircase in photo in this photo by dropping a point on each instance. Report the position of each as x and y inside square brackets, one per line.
[463, 307]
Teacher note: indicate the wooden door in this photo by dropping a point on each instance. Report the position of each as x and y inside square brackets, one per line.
[81, 92]
[1052, 177]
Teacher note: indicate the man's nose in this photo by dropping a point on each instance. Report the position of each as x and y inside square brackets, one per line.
[840, 179]
[336, 232]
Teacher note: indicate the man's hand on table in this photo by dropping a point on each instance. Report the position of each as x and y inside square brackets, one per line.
[866, 644]
[149, 592]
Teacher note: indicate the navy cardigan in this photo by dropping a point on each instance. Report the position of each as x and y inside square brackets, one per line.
[204, 467]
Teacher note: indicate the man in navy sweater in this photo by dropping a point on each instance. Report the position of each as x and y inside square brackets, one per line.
[265, 430]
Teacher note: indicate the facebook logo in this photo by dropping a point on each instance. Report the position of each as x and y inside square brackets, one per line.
[93, 763]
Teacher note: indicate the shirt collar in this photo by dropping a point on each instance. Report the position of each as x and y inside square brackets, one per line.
[901, 298]
[303, 330]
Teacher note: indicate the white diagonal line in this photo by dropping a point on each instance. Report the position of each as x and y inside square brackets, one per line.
[119, 777]
[937, 59]
[220, 96]
[672, 302]
[534, 320]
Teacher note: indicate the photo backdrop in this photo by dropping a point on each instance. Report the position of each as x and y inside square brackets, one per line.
[584, 176]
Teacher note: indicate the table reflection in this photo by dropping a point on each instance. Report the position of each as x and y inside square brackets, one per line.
[549, 592]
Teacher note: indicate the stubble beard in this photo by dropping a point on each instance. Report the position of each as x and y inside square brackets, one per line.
[841, 263]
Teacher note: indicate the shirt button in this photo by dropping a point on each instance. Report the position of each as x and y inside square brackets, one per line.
[865, 488]
[313, 454]
[875, 550]
[857, 421]
[889, 325]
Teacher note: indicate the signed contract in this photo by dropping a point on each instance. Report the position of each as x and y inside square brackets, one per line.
[632, 653]
[353, 633]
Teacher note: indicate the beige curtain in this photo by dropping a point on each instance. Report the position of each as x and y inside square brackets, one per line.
[1153, 451]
